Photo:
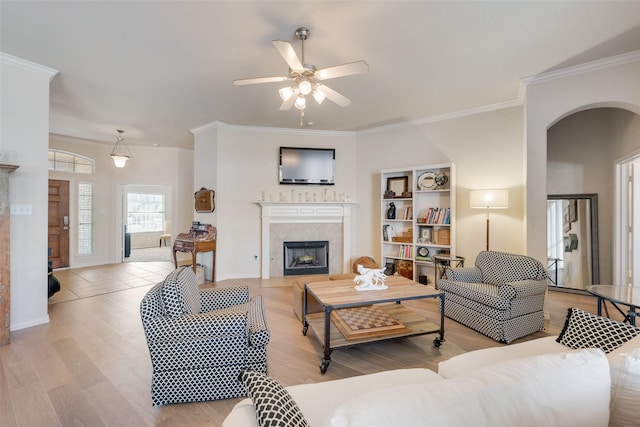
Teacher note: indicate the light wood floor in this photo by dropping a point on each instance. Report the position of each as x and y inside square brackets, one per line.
[90, 365]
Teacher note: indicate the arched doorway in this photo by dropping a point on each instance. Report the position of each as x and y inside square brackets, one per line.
[582, 152]
[549, 99]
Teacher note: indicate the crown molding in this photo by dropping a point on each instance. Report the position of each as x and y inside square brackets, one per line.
[5, 58]
[518, 101]
[206, 127]
[587, 67]
[522, 86]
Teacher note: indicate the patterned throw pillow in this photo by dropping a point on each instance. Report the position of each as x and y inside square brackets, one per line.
[180, 293]
[586, 330]
[273, 404]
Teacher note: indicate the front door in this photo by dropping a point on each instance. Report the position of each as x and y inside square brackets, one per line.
[59, 223]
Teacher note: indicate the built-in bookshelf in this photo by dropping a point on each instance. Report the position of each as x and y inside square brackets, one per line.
[417, 218]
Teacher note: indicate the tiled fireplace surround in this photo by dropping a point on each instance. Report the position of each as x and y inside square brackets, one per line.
[284, 222]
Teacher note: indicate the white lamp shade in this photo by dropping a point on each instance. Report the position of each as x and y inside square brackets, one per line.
[300, 103]
[119, 161]
[489, 199]
[286, 93]
[319, 96]
[304, 87]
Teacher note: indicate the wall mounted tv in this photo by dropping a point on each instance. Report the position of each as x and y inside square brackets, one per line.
[307, 165]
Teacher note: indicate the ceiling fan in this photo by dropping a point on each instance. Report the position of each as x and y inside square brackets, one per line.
[306, 79]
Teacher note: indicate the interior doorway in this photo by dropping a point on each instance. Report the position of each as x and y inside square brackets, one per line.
[59, 223]
[627, 241]
[146, 211]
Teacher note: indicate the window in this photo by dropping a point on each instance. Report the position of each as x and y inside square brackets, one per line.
[69, 162]
[85, 218]
[145, 212]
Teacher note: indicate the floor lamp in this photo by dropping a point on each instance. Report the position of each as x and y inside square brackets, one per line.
[489, 199]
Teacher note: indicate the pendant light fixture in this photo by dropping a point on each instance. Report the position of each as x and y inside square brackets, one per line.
[118, 154]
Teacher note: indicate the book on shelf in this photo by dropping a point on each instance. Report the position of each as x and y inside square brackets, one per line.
[407, 213]
[404, 251]
[436, 216]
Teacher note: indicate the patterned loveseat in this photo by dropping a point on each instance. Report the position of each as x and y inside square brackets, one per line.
[501, 297]
[200, 339]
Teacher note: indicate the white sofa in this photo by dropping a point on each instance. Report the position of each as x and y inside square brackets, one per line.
[534, 383]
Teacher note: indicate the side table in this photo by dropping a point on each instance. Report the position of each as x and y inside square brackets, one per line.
[442, 262]
[624, 295]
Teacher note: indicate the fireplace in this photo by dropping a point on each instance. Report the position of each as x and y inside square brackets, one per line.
[310, 257]
[284, 221]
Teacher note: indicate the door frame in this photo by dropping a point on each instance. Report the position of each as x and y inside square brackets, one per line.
[626, 241]
[123, 189]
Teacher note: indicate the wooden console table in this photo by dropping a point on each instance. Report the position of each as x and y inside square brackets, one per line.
[194, 242]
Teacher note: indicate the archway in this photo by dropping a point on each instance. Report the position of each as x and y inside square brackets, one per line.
[582, 149]
[548, 100]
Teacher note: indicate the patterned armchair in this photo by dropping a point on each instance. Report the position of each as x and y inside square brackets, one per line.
[200, 339]
[501, 297]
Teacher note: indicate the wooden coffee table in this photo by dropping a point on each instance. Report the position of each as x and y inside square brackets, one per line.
[341, 294]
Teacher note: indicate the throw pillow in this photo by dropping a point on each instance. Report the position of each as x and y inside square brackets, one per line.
[273, 404]
[586, 330]
[180, 293]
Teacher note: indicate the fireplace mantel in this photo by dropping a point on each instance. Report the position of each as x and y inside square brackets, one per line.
[305, 212]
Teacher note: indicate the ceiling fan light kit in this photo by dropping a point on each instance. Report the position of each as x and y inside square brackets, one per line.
[286, 93]
[300, 103]
[305, 78]
[319, 95]
[304, 87]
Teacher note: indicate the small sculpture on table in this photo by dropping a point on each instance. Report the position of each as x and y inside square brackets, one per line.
[370, 279]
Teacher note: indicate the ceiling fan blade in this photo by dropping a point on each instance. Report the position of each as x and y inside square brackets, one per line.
[242, 82]
[286, 50]
[348, 69]
[286, 105]
[334, 96]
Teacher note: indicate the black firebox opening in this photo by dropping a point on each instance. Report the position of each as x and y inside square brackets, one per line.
[310, 257]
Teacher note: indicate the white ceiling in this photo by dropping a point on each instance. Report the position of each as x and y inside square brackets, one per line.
[160, 68]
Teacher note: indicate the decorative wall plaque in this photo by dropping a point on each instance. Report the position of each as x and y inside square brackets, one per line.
[204, 200]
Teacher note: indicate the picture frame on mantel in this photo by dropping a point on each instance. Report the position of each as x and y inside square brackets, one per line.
[397, 185]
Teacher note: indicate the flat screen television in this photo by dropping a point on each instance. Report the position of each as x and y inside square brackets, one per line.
[307, 165]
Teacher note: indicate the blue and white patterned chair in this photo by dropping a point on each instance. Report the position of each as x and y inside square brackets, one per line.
[200, 339]
[501, 297]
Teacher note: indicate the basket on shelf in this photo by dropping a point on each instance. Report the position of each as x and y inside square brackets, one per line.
[443, 236]
[405, 237]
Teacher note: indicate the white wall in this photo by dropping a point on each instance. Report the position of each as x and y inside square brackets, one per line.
[24, 114]
[150, 166]
[245, 162]
[548, 101]
[205, 174]
[487, 150]
[625, 135]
